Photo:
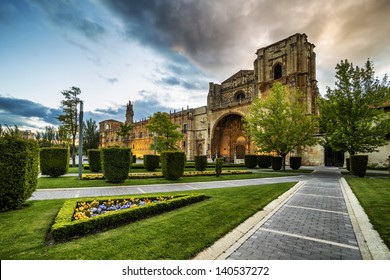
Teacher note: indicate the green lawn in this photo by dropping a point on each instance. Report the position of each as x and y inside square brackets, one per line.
[374, 195]
[74, 182]
[179, 234]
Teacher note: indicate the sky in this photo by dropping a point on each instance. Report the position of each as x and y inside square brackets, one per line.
[162, 54]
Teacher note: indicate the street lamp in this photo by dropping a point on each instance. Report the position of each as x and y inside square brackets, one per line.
[81, 141]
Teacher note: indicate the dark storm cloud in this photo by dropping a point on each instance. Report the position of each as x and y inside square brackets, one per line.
[69, 14]
[221, 37]
[12, 108]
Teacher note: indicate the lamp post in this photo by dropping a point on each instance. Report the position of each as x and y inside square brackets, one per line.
[155, 144]
[81, 141]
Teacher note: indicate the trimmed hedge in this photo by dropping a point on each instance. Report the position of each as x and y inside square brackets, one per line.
[133, 159]
[94, 159]
[295, 162]
[276, 163]
[200, 163]
[19, 161]
[115, 164]
[359, 165]
[218, 166]
[65, 228]
[151, 162]
[251, 161]
[264, 161]
[172, 164]
[388, 167]
[54, 161]
[348, 163]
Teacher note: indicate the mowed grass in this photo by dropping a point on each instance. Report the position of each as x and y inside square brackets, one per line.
[74, 182]
[374, 196]
[178, 234]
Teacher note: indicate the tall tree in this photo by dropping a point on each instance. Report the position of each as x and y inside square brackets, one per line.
[91, 135]
[124, 133]
[351, 113]
[279, 122]
[166, 132]
[70, 118]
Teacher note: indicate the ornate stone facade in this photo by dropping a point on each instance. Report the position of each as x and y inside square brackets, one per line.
[217, 129]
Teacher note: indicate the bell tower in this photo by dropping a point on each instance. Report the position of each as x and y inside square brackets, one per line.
[292, 62]
[129, 113]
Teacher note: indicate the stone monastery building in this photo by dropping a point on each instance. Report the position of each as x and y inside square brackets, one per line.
[217, 128]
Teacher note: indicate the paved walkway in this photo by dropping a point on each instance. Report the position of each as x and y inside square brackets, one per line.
[313, 224]
[42, 194]
[314, 220]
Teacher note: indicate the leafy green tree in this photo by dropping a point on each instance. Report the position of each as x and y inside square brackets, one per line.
[279, 122]
[351, 113]
[166, 132]
[69, 118]
[90, 135]
[124, 133]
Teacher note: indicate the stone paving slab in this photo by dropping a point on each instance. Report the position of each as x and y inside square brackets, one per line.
[313, 224]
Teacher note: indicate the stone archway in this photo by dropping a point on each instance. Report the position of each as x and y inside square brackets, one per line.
[228, 139]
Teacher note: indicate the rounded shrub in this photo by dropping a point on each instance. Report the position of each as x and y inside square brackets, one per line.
[94, 160]
[172, 164]
[264, 161]
[359, 165]
[251, 161]
[200, 163]
[295, 162]
[388, 167]
[151, 162]
[218, 166]
[115, 164]
[54, 161]
[276, 163]
[19, 165]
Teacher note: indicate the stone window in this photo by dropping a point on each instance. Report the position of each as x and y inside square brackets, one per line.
[240, 96]
[277, 71]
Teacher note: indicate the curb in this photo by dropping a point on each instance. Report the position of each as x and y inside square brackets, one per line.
[225, 246]
[371, 245]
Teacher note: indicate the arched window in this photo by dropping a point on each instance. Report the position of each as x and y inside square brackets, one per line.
[277, 71]
[240, 96]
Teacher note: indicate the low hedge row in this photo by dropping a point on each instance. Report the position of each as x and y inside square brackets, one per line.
[148, 175]
[65, 228]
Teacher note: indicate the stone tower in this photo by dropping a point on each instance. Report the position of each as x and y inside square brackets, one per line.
[129, 113]
[292, 62]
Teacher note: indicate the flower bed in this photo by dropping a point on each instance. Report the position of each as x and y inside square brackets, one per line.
[147, 175]
[68, 224]
[85, 210]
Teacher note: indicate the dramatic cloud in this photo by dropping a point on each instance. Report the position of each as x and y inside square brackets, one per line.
[11, 109]
[221, 37]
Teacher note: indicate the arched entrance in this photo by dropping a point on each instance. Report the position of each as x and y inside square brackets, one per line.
[228, 140]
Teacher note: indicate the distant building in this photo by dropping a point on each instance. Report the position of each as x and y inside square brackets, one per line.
[217, 129]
